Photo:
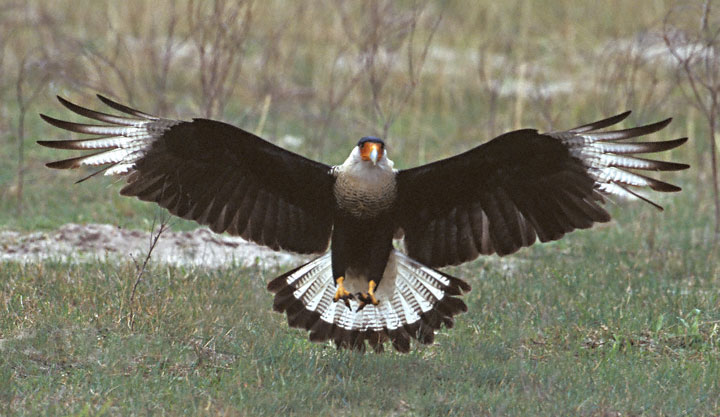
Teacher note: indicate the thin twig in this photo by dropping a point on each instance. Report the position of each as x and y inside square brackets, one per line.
[698, 63]
[386, 28]
[220, 38]
[154, 238]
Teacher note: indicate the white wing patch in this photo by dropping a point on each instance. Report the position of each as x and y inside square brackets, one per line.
[123, 141]
[608, 160]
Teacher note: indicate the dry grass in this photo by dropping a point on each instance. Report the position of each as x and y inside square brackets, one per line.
[433, 78]
[616, 321]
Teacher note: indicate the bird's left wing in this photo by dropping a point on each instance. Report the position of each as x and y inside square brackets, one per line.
[210, 172]
[523, 185]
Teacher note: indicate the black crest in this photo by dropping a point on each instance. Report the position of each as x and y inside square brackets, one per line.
[373, 139]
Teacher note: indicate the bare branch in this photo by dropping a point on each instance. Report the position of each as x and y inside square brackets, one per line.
[379, 44]
[141, 268]
[219, 37]
[696, 55]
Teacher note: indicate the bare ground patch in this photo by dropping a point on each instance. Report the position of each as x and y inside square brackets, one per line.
[78, 243]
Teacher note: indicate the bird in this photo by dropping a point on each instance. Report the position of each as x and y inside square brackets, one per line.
[379, 235]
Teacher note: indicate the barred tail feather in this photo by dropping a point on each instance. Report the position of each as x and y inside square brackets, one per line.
[413, 305]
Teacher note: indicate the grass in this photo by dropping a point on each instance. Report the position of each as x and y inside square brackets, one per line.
[620, 320]
[293, 56]
[605, 321]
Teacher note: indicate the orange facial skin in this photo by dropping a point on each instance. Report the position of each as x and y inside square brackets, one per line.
[367, 149]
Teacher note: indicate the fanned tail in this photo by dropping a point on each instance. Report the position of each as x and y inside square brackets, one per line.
[415, 305]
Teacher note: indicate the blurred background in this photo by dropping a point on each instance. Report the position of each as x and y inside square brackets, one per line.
[619, 320]
[434, 78]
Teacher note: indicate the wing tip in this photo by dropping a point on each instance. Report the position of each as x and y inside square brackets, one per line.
[103, 98]
[50, 143]
[664, 123]
[64, 164]
[654, 127]
[53, 121]
[679, 166]
[124, 109]
[600, 124]
[668, 188]
[64, 101]
[624, 115]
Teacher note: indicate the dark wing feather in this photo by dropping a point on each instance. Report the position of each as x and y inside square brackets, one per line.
[500, 196]
[210, 172]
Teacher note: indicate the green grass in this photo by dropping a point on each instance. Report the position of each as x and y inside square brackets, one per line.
[619, 320]
[449, 112]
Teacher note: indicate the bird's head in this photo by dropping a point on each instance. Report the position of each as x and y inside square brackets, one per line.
[369, 157]
[371, 149]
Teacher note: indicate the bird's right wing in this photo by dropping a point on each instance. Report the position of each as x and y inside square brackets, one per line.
[211, 172]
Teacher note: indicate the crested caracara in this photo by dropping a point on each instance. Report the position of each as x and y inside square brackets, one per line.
[498, 197]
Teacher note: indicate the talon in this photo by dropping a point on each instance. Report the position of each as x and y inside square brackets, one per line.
[341, 293]
[368, 297]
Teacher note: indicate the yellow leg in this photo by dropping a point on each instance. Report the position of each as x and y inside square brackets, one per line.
[371, 292]
[369, 297]
[341, 292]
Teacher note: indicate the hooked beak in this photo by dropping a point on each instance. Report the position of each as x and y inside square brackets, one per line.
[372, 152]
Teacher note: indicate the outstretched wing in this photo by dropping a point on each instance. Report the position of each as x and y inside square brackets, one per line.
[210, 172]
[523, 185]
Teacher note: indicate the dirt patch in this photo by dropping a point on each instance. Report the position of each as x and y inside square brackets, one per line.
[82, 243]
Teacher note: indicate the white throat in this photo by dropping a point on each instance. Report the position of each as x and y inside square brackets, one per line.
[363, 188]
